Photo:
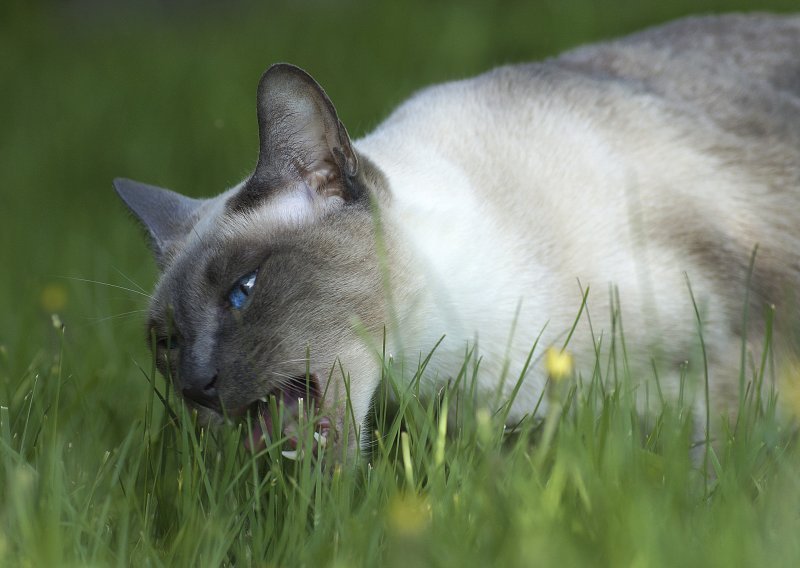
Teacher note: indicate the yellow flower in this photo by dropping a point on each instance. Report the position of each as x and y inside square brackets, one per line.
[408, 515]
[53, 298]
[558, 363]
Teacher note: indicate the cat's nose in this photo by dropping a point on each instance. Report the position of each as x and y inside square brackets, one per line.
[203, 392]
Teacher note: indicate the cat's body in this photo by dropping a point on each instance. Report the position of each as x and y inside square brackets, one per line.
[495, 202]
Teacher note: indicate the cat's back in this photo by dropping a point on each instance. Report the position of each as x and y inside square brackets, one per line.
[721, 52]
[672, 105]
[691, 128]
[734, 74]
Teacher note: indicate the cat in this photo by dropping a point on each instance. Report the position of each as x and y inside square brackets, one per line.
[479, 213]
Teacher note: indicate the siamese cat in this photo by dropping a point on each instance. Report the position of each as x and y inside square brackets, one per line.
[479, 213]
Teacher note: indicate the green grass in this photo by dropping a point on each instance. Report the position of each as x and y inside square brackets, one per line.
[445, 485]
[95, 471]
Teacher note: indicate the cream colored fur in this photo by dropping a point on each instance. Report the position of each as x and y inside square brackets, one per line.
[515, 191]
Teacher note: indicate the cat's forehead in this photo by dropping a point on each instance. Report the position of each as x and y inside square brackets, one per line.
[225, 239]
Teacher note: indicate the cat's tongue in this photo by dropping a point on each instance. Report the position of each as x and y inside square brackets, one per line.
[295, 417]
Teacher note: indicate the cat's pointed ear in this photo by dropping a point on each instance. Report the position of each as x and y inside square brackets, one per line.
[301, 137]
[167, 216]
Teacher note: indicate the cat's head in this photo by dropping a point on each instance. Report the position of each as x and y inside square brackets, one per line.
[271, 287]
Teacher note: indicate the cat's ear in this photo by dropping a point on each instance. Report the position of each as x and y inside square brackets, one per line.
[301, 137]
[167, 216]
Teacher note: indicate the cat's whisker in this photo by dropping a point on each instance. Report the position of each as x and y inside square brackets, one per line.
[129, 279]
[255, 355]
[109, 285]
[289, 361]
[116, 316]
[283, 375]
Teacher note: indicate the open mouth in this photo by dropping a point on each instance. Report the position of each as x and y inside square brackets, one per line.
[288, 411]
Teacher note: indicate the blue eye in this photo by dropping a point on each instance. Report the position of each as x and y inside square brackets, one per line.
[240, 293]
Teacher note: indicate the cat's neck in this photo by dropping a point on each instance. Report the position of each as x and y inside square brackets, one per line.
[451, 262]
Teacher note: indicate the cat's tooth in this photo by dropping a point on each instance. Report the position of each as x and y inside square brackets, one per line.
[290, 454]
[322, 439]
[263, 399]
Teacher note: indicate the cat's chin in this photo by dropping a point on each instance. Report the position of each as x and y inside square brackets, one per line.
[297, 404]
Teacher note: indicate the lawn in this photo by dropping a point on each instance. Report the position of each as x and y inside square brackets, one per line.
[99, 465]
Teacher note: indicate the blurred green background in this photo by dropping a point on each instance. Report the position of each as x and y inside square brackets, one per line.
[164, 92]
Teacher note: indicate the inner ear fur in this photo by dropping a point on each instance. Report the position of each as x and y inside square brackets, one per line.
[301, 137]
